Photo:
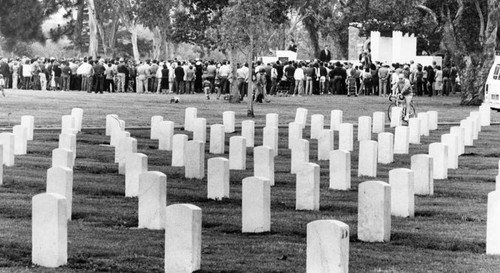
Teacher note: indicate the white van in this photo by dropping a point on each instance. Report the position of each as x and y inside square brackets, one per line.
[492, 88]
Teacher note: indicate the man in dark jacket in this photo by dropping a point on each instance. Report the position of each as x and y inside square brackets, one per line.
[325, 55]
[99, 70]
[179, 78]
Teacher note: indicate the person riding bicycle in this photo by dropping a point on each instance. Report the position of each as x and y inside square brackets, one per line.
[403, 91]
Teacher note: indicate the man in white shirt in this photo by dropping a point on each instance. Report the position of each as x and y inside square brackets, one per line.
[242, 77]
[225, 72]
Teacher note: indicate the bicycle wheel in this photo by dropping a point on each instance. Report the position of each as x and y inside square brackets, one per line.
[413, 112]
[389, 110]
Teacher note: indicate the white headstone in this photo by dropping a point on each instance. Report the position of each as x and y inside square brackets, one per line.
[485, 112]
[136, 164]
[195, 159]
[452, 141]
[439, 153]
[116, 127]
[237, 153]
[396, 113]
[155, 130]
[110, 120]
[317, 125]
[1, 164]
[325, 144]
[62, 158]
[402, 192]
[7, 140]
[29, 123]
[183, 238]
[217, 139]
[335, 119]
[346, 139]
[424, 124]
[77, 113]
[493, 224]
[460, 133]
[307, 187]
[468, 136]
[367, 160]
[190, 114]
[152, 200]
[256, 205]
[327, 247]
[118, 136]
[294, 133]
[229, 120]
[340, 170]
[433, 120]
[49, 230]
[401, 140]
[68, 141]
[60, 181]
[127, 146]
[165, 135]
[422, 166]
[374, 211]
[378, 122]
[271, 138]
[364, 128]
[178, 150]
[248, 132]
[300, 155]
[68, 123]
[200, 130]
[218, 178]
[21, 141]
[476, 116]
[475, 130]
[301, 116]
[272, 120]
[385, 152]
[263, 165]
[414, 131]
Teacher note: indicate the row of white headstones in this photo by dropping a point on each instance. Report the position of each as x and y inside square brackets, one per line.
[184, 220]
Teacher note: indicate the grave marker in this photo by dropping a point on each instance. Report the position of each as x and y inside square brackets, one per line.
[402, 192]
[218, 178]
[272, 120]
[248, 132]
[228, 118]
[346, 137]
[325, 144]
[29, 123]
[307, 187]
[7, 140]
[367, 163]
[378, 122]
[21, 141]
[237, 153]
[452, 142]
[62, 158]
[439, 153]
[200, 130]
[263, 165]
[364, 128]
[422, 166]
[332, 256]
[152, 200]
[385, 153]
[256, 205]
[77, 113]
[317, 125]
[194, 159]
[136, 164]
[294, 133]
[155, 130]
[190, 114]
[271, 138]
[493, 224]
[178, 150]
[396, 113]
[165, 135]
[335, 120]
[300, 155]
[401, 140]
[340, 170]
[374, 211]
[217, 139]
[60, 181]
[414, 131]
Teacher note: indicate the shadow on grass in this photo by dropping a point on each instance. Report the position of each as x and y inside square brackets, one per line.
[14, 254]
[414, 240]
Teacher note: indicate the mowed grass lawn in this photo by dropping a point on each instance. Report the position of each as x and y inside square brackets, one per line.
[447, 234]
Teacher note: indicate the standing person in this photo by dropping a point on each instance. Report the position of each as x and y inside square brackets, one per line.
[5, 71]
[99, 71]
[73, 78]
[43, 77]
[84, 71]
[190, 78]
[15, 74]
[198, 82]
[2, 85]
[241, 77]
[211, 73]
[323, 73]
[419, 80]
[110, 74]
[274, 79]
[431, 78]
[179, 79]
[325, 55]
[142, 77]
[131, 84]
[438, 84]
[383, 75]
[153, 82]
[171, 76]
[336, 76]
[164, 85]
[308, 74]
[260, 86]
[453, 78]
[27, 73]
[299, 81]
[225, 72]
[289, 72]
[121, 70]
[66, 76]
[292, 46]
[446, 80]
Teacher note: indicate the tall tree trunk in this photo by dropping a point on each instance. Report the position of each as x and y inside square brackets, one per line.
[157, 42]
[478, 65]
[77, 34]
[135, 49]
[168, 50]
[250, 112]
[235, 94]
[102, 34]
[93, 40]
[312, 30]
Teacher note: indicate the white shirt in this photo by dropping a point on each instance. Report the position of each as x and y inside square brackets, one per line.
[299, 74]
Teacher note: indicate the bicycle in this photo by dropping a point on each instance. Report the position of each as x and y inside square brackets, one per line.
[399, 101]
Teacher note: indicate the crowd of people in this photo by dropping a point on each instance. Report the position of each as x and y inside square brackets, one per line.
[292, 78]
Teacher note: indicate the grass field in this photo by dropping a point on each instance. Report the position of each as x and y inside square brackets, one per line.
[446, 235]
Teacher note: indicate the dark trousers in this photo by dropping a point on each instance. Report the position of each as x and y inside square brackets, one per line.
[99, 83]
[337, 85]
[110, 85]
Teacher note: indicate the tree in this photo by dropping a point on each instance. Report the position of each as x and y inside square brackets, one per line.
[242, 27]
[93, 40]
[129, 16]
[20, 21]
[155, 14]
[469, 36]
